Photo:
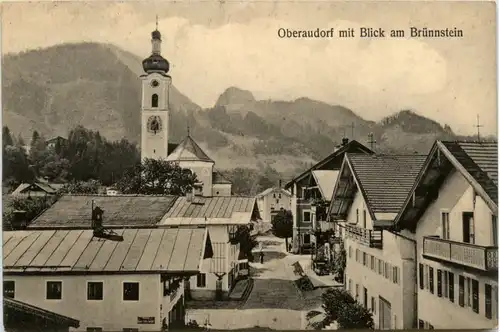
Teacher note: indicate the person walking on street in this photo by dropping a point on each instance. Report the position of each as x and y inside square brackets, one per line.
[261, 257]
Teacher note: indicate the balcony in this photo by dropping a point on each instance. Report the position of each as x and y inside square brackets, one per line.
[465, 254]
[368, 237]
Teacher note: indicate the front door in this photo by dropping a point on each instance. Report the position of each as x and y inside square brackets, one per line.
[468, 227]
[384, 314]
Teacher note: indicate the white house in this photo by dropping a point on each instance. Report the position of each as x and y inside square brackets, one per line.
[272, 200]
[380, 263]
[452, 213]
[132, 280]
[221, 216]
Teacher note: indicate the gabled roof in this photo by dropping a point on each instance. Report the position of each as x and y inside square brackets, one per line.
[79, 252]
[13, 307]
[188, 150]
[476, 161]
[383, 180]
[33, 186]
[218, 178]
[274, 190]
[351, 146]
[218, 210]
[74, 211]
[57, 138]
[325, 180]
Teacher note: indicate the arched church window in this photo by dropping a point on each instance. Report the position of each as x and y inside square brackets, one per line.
[154, 100]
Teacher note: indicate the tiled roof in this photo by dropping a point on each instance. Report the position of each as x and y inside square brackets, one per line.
[14, 307]
[211, 210]
[386, 180]
[77, 251]
[119, 211]
[42, 186]
[274, 189]
[218, 178]
[480, 160]
[188, 150]
[338, 152]
[326, 182]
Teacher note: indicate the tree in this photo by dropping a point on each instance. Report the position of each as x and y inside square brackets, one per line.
[81, 187]
[33, 206]
[16, 168]
[157, 177]
[282, 225]
[355, 316]
[340, 263]
[247, 242]
[7, 137]
[333, 300]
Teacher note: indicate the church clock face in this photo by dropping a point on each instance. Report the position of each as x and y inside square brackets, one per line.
[155, 83]
[154, 124]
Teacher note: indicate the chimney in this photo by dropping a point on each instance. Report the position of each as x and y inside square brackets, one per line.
[345, 140]
[189, 196]
[19, 220]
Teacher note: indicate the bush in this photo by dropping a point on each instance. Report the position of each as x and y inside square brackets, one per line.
[304, 284]
[339, 305]
[334, 299]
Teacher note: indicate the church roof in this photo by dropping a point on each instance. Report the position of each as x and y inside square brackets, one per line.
[188, 150]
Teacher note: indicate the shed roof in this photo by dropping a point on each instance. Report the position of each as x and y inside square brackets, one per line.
[79, 252]
[15, 306]
[222, 210]
[75, 211]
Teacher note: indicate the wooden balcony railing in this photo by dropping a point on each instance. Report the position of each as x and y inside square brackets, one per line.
[465, 254]
[368, 237]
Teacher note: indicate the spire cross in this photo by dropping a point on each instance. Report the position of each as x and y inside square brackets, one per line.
[478, 125]
[156, 22]
[371, 141]
[188, 129]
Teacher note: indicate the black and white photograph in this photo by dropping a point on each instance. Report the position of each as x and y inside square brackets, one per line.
[249, 165]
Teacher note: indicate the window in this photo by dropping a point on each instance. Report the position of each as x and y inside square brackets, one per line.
[395, 274]
[421, 275]
[372, 263]
[439, 283]
[446, 289]
[54, 290]
[365, 259]
[364, 218]
[350, 252]
[307, 238]
[349, 285]
[279, 196]
[380, 267]
[307, 216]
[9, 288]
[357, 216]
[387, 270]
[357, 255]
[274, 195]
[445, 224]
[494, 230]
[451, 284]
[94, 290]
[277, 201]
[357, 291]
[201, 280]
[461, 291]
[374, 305]
[154, 100]
[130, 291]
[468, 291]
[475, 296]
[431, 280]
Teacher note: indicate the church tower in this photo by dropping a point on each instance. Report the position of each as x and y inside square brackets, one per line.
[155, 102]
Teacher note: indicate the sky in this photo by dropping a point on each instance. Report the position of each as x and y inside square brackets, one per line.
[215, 45]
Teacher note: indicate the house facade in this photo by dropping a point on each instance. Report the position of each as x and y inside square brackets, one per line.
[452, 213]
[221, 216]
[380, 263]
[271, 201]
[307, 187]
[94, 279]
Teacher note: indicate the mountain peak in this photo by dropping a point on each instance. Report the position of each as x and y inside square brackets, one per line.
[234, 95]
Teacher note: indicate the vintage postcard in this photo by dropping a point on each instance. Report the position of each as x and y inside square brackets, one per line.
[249, 165]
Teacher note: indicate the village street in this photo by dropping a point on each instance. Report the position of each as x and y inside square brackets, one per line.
[275, 302]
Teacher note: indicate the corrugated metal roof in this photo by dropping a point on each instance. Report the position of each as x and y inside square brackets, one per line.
[188, 150]
[74, 251]
[119, 211]
[326, 182]
[211, 210]
[386, 180]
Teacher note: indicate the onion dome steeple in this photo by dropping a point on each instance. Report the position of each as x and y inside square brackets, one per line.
[155, 62]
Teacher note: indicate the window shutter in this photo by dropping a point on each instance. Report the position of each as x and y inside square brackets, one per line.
[431, 280]
[461, 282]
[487, 301]
[421, 275]
[439, 283]
[475, 296]
[451, 285]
